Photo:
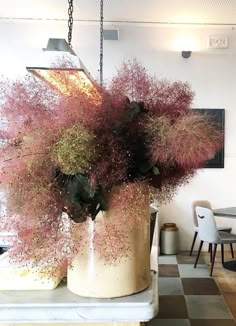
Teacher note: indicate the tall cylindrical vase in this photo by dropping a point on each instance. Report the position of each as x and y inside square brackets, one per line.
[115, 259]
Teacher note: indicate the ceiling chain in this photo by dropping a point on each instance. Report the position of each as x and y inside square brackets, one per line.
[101, 42]
[70, 20]
[70, 26]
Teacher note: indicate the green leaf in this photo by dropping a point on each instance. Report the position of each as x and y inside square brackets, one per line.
[155, 170]
[88, 191]
[131, 113]
[76, 212]
[145, 166]
[79, 188]
[135, 107]
[83, 198]
[103, 204]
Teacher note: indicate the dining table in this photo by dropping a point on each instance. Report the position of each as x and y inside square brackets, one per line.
[228, 212]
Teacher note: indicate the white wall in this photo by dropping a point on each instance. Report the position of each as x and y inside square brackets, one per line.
[212, 75]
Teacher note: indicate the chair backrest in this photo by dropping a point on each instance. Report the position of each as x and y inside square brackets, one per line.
[207, 226]
[200, 203]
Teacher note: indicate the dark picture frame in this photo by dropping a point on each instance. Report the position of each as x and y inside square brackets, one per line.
[218, 116]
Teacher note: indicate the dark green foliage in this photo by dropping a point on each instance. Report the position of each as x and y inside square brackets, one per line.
[81, 198]
[131, 133]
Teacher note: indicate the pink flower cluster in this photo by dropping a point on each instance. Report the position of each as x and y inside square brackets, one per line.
[144, 131]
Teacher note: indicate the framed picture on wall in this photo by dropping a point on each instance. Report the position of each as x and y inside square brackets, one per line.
[218, 116]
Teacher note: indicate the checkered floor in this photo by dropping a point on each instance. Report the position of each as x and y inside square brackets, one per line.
[188, 296]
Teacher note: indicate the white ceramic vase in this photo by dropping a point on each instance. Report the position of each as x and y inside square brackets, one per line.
[96, 272]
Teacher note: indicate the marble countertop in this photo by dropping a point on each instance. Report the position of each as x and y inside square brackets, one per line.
[60, 305]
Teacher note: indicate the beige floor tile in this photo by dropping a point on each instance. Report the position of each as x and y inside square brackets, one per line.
[226, 283]
[220, 271]
[230, 299]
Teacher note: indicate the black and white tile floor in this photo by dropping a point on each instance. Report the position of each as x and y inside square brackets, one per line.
[188, 296]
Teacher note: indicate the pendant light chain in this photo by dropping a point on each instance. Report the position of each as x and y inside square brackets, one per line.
[70, 21]
[101, 42]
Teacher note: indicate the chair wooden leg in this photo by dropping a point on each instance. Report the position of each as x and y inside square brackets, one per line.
[209, 247]
[198, 254]
[193, 243]
[222, 254]
[232, 250]
[210, 250]
[213, 258]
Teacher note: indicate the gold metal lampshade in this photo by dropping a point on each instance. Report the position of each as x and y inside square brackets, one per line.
[66, 80]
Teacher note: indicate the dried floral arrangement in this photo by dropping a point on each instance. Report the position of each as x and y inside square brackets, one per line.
[67, 154]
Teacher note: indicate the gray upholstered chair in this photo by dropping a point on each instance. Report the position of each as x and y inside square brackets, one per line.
[206, 204]
[208, 232]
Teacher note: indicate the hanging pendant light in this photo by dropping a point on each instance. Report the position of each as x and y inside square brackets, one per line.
[67, 73]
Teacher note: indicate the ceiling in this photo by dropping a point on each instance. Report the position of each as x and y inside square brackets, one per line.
[203, 12]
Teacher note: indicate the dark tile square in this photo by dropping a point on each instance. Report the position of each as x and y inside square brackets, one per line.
[212, 322]
[169, 322]
[168, 270]
[172, 307]
[200, 286]
[184, 258]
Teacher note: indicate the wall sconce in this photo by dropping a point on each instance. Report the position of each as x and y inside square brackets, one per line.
[186, 54]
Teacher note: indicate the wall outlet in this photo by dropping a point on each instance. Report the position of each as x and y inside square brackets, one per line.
[217, 42]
